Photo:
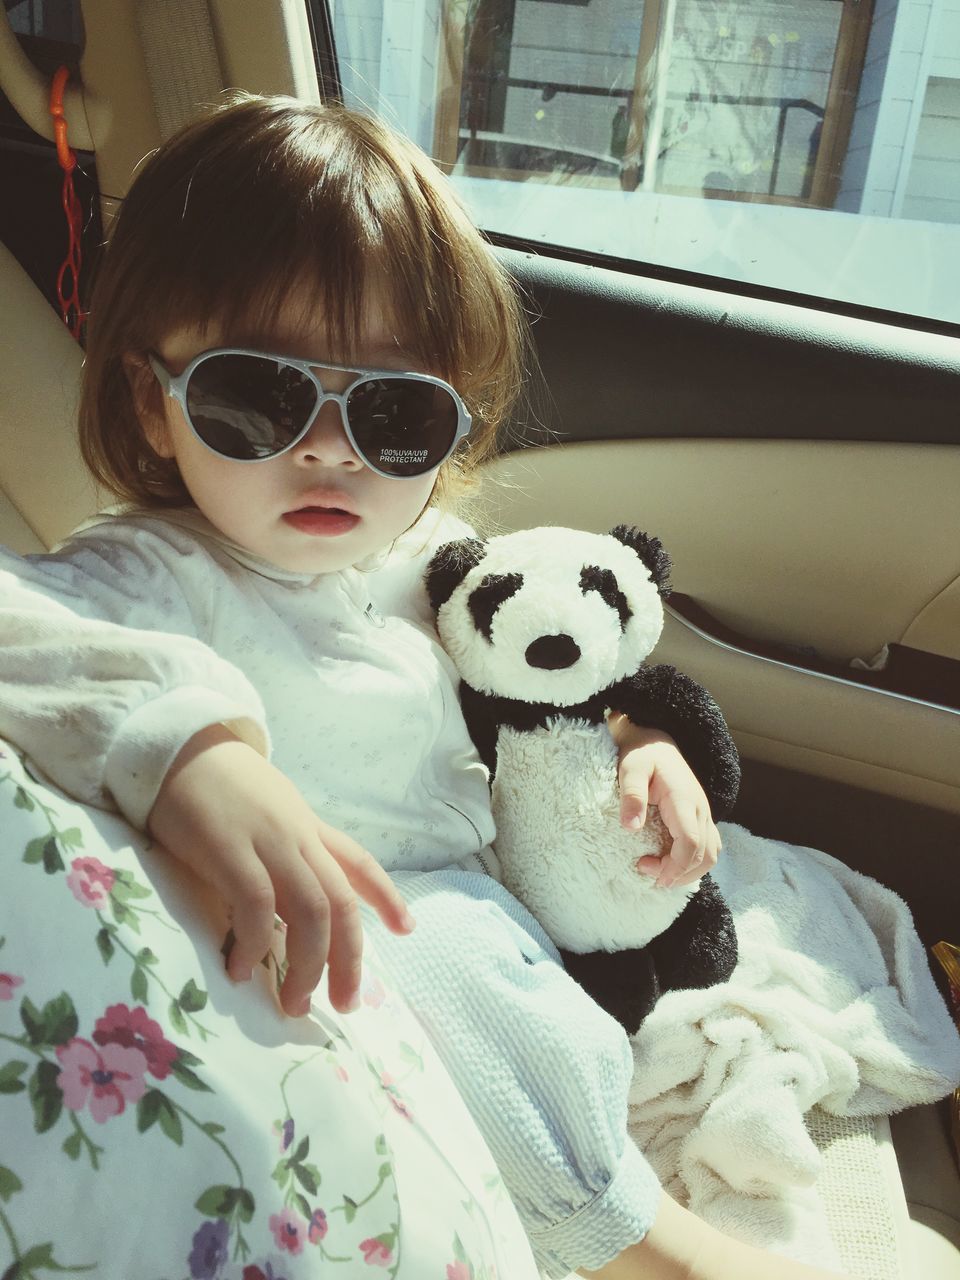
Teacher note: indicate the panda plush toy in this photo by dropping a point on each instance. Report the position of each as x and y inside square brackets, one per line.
[548, 629]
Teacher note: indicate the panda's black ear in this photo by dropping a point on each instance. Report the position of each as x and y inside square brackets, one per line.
[449, 566]
[651, 552]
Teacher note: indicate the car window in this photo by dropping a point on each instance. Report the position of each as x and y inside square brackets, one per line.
[803, 145]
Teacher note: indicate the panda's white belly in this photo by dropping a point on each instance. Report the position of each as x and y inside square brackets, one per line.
[560, 844]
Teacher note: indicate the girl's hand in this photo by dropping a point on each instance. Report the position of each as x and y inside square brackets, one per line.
[652, 771]
[245, 829]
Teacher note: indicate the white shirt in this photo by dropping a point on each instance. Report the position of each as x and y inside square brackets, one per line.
[145, 628]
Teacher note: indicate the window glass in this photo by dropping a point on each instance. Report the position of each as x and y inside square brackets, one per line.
[933, 181]
[806, 145]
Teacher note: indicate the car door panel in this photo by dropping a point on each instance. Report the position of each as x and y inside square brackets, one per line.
[836, 545]
[770, 569]
[802, 470]
[626, 353]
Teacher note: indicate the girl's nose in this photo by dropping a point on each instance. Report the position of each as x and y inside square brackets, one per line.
[326, 442]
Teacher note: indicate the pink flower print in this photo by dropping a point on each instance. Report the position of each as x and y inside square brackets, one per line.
[106, 1079]
[459, 1271]
[90, 881]
[135, 1029]
[343, 1074]
[318, 1227]
[8, 982]
[392, 1093]
[288, 1230]
[375, 1253]
[399, 1105]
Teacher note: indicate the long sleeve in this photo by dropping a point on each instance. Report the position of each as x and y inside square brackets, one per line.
[102, 678]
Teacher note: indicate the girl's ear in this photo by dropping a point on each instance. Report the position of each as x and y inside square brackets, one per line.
[148, 401]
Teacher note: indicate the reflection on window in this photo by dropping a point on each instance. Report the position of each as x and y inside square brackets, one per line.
[740, 104]
[729, 137]
[542, 96]
[708, 97]
[740, 99]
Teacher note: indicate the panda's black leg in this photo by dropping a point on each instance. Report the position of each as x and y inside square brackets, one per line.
[700, 948]
[624, 983]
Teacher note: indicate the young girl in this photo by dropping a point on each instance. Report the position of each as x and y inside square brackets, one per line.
[298, 344]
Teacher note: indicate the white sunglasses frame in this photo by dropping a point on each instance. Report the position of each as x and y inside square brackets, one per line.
[175, 387]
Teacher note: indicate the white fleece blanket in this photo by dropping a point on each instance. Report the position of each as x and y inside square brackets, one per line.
[831, 1003]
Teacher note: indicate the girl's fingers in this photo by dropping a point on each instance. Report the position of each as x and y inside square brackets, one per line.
[243, 882]
[713, 847]
[633, 811]
[705, 857]
[695, 868]
[343, 955]
[324, 928]
[650, 864]
[681, 866]
[345, 961]
[634, 783]
[695, 840]
[368, 879]
[279, 858]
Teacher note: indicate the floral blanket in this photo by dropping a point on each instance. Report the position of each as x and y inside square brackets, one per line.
[157, 1121]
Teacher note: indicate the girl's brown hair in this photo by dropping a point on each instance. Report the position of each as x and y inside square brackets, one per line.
[268, 201]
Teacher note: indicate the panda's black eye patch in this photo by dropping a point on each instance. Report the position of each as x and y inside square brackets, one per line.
[489, 596]
[604, 581]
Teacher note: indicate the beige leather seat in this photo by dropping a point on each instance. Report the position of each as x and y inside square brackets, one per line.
[44, 488]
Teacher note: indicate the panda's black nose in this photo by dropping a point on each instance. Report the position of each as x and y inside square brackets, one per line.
[552, 653]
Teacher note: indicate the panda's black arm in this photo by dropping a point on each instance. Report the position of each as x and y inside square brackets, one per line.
[479, 711]
[663, 698]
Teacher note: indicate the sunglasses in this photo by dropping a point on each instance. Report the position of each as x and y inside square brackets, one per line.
[249, 406]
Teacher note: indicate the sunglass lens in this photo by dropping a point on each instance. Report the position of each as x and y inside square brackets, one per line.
[402, 426]
[248, 407]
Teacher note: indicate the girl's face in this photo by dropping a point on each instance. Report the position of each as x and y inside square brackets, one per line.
[284, 509]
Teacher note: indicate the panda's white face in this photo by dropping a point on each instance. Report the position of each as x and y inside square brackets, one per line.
[551, 615]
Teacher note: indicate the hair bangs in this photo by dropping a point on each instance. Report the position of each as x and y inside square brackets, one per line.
[242, 267]
[291, 283]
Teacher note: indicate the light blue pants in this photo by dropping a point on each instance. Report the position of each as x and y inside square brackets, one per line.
[544, 1070]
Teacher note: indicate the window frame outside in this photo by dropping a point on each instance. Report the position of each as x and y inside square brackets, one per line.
[848, 62]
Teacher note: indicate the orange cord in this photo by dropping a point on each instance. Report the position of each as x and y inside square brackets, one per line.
[68, 277]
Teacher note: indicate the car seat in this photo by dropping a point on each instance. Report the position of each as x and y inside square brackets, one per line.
[44, 488]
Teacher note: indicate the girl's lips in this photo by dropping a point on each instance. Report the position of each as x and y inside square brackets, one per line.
[322, 522]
